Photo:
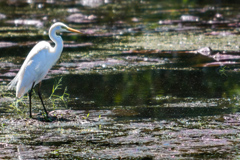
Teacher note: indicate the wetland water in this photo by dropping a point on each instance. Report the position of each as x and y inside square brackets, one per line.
[148, 80]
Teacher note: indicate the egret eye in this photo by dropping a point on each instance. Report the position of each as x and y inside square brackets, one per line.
[63, 28]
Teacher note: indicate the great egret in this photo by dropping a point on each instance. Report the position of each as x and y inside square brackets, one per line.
[38, 62]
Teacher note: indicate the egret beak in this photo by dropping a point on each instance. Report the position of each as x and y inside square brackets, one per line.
[73, 30]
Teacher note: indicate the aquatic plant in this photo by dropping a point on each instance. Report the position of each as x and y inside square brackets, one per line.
[86, 116]
[222, 70]
[15, 105]
[55, 98]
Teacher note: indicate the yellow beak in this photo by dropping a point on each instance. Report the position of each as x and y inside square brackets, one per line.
[73, 30]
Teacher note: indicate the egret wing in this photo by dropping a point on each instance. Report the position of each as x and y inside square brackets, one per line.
[34, 69]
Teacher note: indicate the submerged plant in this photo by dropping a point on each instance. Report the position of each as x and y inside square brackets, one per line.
[222, 71]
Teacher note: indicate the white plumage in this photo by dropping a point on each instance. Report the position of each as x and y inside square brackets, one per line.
[38, 62]
[34, 68]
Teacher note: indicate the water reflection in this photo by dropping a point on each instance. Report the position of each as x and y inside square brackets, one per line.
[92, 3]
[89, 3]
[26, 22]
[165, 113]
[149, 87]
[160, 94]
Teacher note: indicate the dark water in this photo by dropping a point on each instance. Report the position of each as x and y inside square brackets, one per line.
[142, 87]
[137, 62]
[188, 93]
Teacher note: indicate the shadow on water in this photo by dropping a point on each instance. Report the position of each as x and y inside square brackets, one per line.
[162, 113]
[160, 94]
[142, 87]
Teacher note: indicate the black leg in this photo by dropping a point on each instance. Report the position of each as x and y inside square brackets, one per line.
[30, 101]
[39, 94]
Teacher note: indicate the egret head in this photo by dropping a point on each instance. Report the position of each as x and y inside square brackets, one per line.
[61, 27]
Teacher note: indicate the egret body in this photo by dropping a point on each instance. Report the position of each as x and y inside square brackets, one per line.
[38, 62]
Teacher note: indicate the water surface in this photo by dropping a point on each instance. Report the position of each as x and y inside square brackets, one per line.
[148, 79]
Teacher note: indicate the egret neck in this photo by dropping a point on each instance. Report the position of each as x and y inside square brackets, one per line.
[57, 49]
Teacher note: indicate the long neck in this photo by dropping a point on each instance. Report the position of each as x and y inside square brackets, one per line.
[57, 49]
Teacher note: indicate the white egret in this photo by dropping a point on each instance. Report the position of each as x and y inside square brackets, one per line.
[38, 62]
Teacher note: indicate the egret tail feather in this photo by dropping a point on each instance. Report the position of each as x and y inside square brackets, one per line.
[13, 83]
[21, 92]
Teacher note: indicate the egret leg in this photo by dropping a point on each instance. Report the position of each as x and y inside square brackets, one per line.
[39, 94]
[30, 101]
